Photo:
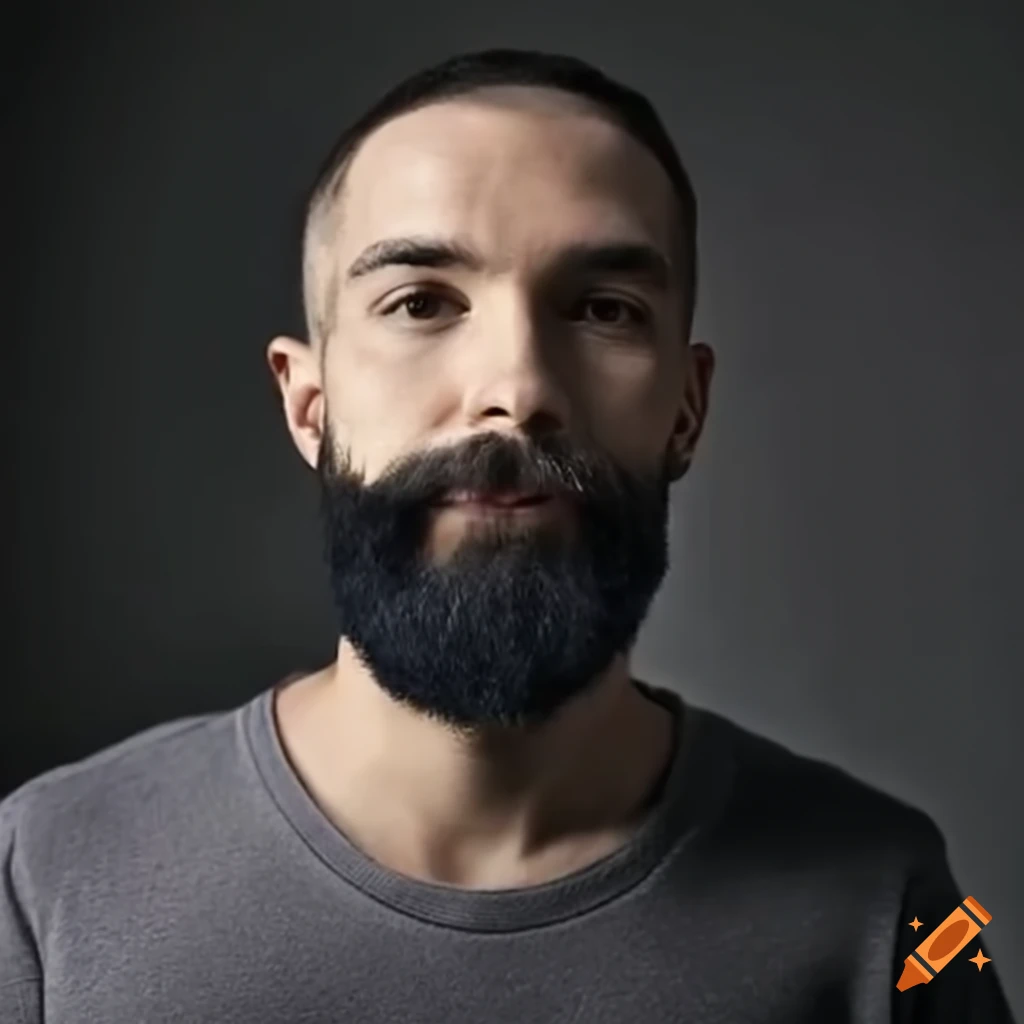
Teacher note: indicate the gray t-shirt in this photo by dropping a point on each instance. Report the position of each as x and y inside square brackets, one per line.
[186, 875]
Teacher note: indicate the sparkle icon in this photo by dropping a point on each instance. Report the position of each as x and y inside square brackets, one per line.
[980, 959]
[915, 924]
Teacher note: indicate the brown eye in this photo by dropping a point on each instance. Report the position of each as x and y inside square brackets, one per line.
[614, 312]
[418, 305]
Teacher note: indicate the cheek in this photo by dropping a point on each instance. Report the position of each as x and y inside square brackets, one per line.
[632, 415]
[623, 387]
[383, 411]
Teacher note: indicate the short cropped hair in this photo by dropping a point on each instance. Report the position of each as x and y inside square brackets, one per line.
[459, 76]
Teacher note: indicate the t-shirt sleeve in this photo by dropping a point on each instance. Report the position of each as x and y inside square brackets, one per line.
[960, 993]
[20, 971]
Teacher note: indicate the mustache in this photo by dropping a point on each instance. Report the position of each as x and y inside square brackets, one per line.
[491, 461]
[495, 463]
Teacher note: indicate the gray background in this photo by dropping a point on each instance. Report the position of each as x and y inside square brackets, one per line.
[846, 555]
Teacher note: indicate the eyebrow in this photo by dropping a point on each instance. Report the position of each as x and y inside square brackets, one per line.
[632, 258]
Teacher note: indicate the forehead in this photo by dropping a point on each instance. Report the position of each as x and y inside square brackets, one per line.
[519, 170]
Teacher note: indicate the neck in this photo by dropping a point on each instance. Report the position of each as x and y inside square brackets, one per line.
[489, 808]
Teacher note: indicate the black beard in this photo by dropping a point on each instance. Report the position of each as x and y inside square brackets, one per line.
[520, 619]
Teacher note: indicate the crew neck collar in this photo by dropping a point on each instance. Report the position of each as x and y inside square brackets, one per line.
[692, 791]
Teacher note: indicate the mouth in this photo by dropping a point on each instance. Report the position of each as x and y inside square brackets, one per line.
[495, 499]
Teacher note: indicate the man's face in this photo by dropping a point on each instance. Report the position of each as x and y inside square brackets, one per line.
[524, 372]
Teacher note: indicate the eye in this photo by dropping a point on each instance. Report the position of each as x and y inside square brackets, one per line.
[422, 305]
[606, 307]
[418, 304]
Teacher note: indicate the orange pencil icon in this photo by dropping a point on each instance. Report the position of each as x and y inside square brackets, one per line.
[944, 943]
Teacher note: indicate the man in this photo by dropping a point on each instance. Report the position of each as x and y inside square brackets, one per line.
[476, 813]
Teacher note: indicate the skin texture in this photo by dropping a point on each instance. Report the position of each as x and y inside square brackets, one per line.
[478, 726]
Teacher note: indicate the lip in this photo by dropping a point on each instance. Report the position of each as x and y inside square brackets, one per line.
[507, 500]
[489, 510]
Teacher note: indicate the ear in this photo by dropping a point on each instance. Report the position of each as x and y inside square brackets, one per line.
[698, 369]
[295, 367]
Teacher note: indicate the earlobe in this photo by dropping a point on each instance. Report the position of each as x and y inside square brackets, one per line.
[678, 465]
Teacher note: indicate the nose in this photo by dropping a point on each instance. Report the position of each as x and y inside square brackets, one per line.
[514, 377]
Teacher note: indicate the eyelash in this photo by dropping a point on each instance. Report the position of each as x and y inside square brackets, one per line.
[639, 315]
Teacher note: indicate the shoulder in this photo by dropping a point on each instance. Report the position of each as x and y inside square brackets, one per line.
[805, 809]
[67, 784]
[59, 822]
